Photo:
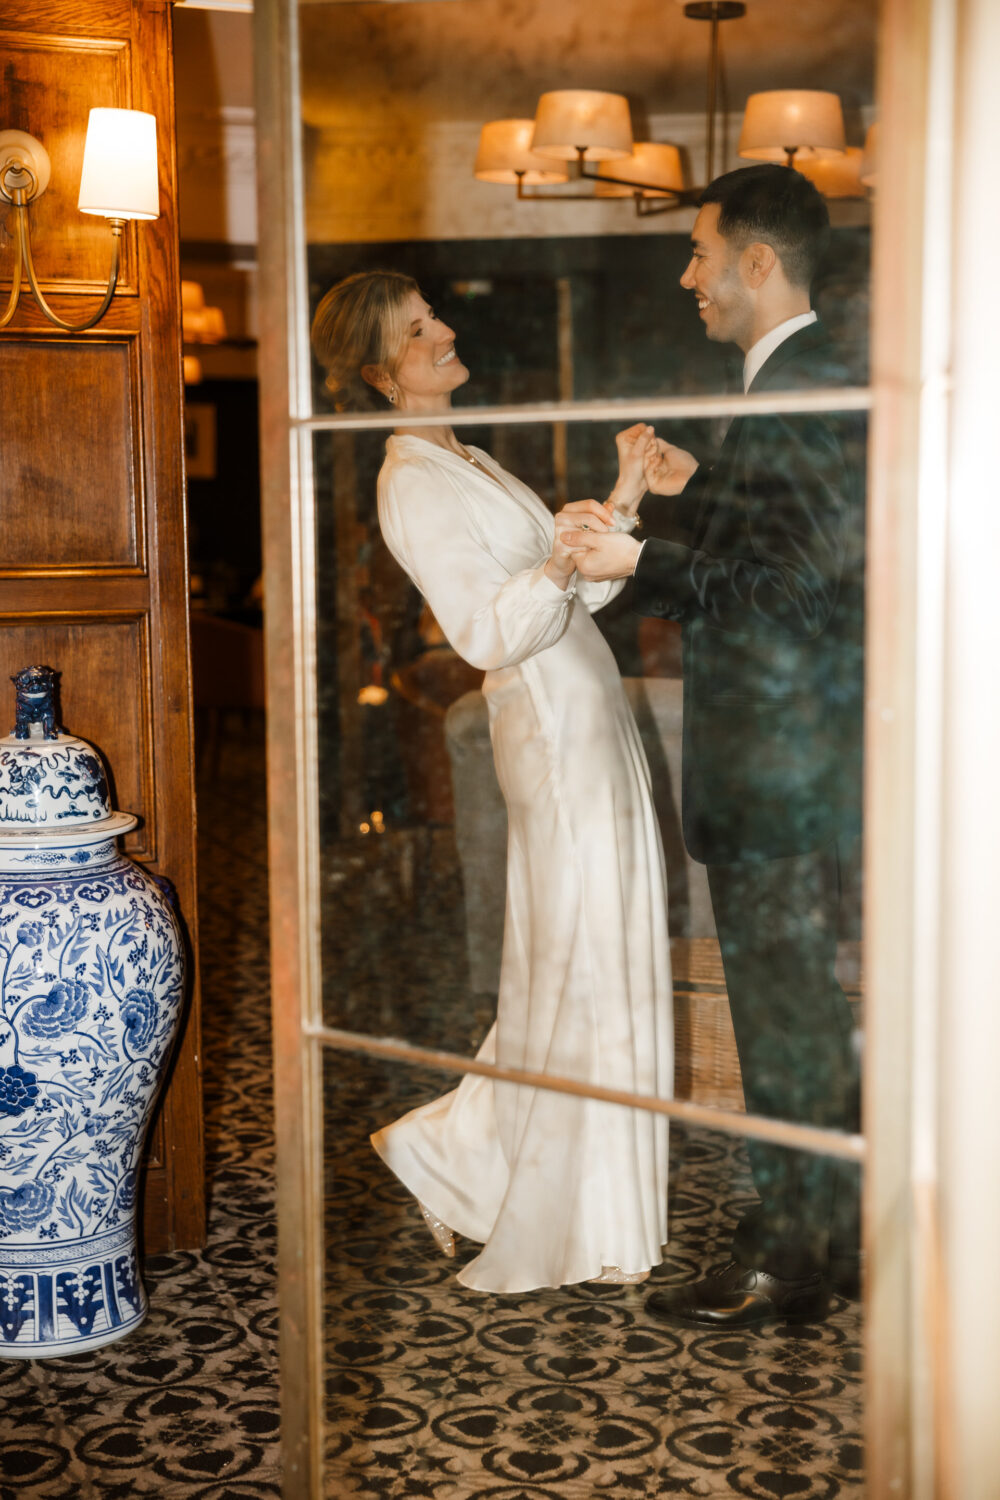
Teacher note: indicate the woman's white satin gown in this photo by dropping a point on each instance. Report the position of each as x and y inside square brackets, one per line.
[553, 1186]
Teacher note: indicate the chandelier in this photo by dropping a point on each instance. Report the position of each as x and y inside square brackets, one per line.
[585, 136]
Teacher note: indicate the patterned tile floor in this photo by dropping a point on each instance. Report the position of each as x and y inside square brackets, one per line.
[432, 1390]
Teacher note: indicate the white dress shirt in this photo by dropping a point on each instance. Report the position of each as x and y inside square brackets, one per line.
[765, 347]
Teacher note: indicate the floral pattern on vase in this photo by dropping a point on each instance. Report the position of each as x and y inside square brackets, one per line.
[91, 991]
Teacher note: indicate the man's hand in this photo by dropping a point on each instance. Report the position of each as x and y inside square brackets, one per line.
[572, 519]
[600, 555]
[667, 469]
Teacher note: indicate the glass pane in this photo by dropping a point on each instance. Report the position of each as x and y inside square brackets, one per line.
[553, 300]
[413, 820]
[579, 1389]
[414, 823]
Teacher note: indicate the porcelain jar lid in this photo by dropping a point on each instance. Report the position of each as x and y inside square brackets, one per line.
[52, 785]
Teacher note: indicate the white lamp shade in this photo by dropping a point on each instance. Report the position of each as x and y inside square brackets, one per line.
[836, 176]
[570, 120]
[806, 121]
[869, 161]
[657, 168]
[119, 178]
[505, 151]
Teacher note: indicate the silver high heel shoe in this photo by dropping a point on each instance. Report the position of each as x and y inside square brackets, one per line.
[443, 1236]
[615, 1276]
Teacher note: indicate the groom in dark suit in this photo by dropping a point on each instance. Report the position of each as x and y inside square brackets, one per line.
[763, 568]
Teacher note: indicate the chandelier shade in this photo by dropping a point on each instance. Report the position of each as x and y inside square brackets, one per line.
[569, 122]
[783, 124]
[505, 156]
[653, 168]
[836, 176]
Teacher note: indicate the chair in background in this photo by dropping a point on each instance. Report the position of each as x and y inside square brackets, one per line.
[227, 662]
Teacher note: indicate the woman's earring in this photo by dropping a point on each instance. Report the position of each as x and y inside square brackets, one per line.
[391, 395]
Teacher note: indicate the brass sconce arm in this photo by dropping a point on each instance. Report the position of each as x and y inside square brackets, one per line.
[118, 182]
[20, 186]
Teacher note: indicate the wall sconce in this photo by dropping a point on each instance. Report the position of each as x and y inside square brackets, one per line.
[119, 182]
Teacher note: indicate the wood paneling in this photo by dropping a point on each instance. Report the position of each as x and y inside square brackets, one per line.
[50, 85]
[82, 400]
[109, 19]
[93, 566]
[104, 667]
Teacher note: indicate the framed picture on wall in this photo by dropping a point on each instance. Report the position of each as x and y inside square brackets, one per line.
[200, 440]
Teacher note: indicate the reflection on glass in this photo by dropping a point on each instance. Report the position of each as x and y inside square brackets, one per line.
[435, 1389]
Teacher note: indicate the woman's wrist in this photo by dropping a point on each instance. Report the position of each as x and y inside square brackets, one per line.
[626, 497]
[559, 571]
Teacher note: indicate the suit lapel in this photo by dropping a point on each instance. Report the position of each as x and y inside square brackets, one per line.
[803, 340]
[769, 377]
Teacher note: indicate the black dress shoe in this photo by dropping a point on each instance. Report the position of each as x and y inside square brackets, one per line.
[738, 1296]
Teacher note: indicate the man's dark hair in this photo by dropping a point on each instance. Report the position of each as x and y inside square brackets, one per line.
[777, 206]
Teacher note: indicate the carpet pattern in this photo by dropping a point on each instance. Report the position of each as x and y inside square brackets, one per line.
[449, 1394]
[432, 1390]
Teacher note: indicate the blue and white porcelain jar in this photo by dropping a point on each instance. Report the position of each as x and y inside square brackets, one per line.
[91, 990]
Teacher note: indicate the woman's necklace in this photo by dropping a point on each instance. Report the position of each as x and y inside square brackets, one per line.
[471, 458]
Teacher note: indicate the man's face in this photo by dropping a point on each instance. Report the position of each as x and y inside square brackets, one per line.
[714, 275]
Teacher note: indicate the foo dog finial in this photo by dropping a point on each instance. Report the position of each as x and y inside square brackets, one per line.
[36, 689]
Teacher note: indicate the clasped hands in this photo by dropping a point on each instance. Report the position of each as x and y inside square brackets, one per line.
[586, 539]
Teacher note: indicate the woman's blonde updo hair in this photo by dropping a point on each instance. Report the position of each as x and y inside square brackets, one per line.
[361, 321]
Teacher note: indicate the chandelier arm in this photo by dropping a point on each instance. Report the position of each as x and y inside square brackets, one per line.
[543, 197]
[25, 240]
[15, 285]
[625, 182]
[686, 198]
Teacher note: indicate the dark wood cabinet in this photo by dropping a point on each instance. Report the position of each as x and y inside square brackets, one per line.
[93, 566]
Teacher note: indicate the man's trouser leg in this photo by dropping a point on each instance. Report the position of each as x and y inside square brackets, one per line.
[777, 926]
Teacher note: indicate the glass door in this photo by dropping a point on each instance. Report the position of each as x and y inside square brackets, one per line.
[393, 846]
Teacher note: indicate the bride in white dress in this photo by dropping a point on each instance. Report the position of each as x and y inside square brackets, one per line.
[556, 1188]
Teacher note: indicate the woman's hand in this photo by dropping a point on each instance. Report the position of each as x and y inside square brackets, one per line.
[667, 469]
[633, 446]
[578, 515]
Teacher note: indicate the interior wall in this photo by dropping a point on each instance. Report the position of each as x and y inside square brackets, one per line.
[93, 576]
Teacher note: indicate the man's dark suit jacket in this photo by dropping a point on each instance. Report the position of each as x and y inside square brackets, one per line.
[767, 583]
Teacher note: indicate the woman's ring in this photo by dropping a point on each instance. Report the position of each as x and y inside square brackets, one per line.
[584, 525]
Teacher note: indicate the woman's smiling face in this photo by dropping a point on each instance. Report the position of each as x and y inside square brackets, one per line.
[429, 369]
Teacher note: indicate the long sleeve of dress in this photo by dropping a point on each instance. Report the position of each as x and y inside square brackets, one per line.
[492, 617]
